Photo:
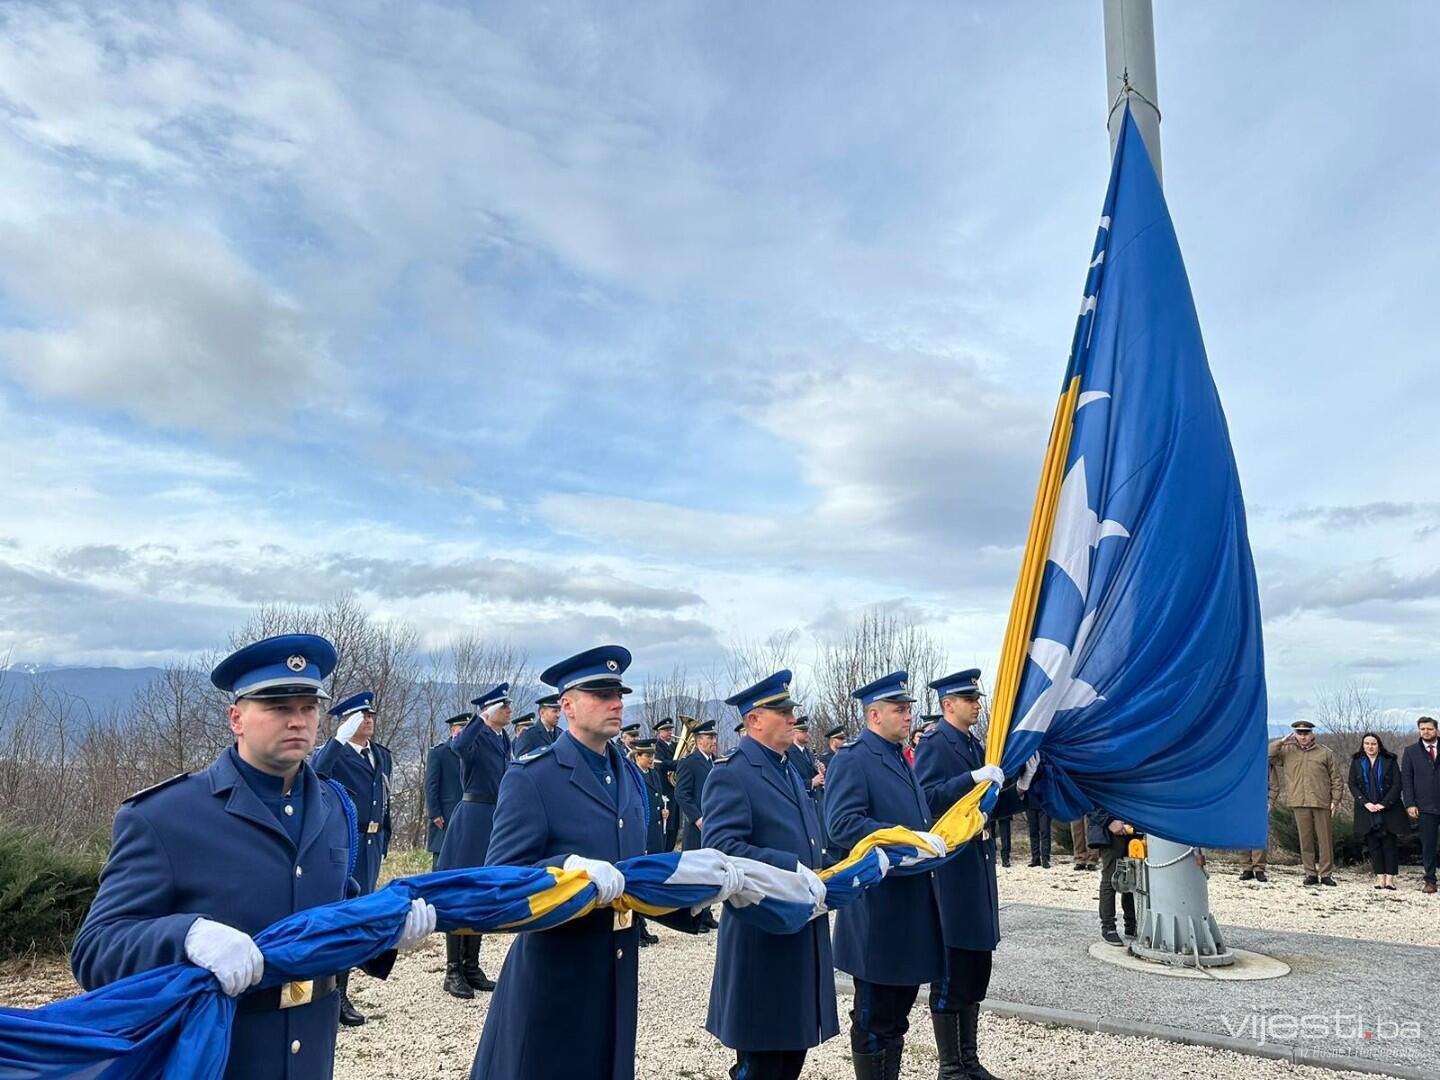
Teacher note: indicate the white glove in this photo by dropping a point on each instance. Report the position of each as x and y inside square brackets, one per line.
[228, 954]
[941, 848]
[419, 924]
[608, 881]
[344, 732]
[1027, 772]
[992, 773]
[814, 884]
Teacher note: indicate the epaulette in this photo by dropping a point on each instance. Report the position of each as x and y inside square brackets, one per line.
[144, 792]
[539, 752]
[722, 760]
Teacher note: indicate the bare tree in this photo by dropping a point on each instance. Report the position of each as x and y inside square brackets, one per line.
[877, 643]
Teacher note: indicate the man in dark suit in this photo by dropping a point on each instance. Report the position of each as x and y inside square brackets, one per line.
[690, 777]
[950, 761]
[1420, 792]
[889, 940]
[443, 791]
[757, 807]
[364, 767]
[665, 770]
[542, 734]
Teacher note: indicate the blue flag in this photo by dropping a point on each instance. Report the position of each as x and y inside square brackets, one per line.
[1143, 683]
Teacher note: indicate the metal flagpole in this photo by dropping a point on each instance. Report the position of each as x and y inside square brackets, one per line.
[1174, 924]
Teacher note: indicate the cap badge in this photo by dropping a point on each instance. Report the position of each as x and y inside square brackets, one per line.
[612, 665]
[296, 663]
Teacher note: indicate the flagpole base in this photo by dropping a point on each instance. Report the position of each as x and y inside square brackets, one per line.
[1173, 921]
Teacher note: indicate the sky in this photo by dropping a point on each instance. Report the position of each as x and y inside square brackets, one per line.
[683, 324]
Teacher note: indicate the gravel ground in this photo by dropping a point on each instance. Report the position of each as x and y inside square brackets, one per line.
[416, 1031]
[1354, 908]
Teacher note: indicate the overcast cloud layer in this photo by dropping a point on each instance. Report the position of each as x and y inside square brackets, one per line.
[678, 324]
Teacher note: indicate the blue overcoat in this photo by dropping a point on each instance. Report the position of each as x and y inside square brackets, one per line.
[690, 776]
[535, 738]
[969, 901]
[484, 754]
[585, 971]
[891, 935]
[442, 792]
[205, 845]
[369, 789]
[769, 991]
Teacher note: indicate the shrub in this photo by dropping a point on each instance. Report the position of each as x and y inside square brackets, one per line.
[44, 894]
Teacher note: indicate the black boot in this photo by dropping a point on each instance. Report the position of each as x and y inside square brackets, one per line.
[947, 1045]
[349, 1015]
[894, 1051]
[454, 975]
[969, 1017]
[474, 974]
[883, 1064]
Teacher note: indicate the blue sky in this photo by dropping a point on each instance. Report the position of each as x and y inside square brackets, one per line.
[678, 324]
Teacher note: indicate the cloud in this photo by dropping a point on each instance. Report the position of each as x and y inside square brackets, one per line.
[159, 321]
[1350, 588]
[1373, 513]
[279, 575]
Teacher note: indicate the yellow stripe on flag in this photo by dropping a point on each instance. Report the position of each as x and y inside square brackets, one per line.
[1032, 571]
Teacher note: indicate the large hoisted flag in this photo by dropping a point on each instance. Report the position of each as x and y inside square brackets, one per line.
[1133, 659]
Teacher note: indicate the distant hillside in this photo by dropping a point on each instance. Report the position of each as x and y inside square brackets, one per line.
[99, 687]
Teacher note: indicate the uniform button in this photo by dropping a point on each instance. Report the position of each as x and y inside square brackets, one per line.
[812, 841]
[289, 810]
[619, 954]
[622, 822]
[299, 871]
[607, 779]
[295, 1047]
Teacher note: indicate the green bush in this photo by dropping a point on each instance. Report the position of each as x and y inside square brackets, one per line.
[1350, 849]
[44, 894]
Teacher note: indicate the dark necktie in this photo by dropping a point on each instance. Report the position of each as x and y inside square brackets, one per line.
[368, 759]
[1432, 750]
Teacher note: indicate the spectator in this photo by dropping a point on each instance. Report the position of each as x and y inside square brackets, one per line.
[1312, 791]
[1255, 864]
[1086, 857]
[1379, 816]
[1039, 822]
[1112, 837]
[1420, 791]
[909, 751]
[1002, 834]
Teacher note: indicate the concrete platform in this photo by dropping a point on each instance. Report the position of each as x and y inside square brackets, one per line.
[1248, 966]
[1370, 1003]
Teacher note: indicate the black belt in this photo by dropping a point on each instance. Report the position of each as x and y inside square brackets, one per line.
[477, 798]
[286, 995]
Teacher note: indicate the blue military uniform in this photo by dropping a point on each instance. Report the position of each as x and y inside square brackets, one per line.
[690, 776]
[890, 939]
[756, 807]
[484, 753]
[229, 844]
[366, 776]
[443, 789]
[561, 801]
[969, 899]
[539, 736]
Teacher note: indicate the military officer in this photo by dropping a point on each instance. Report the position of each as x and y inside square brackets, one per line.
[566, 1003]
[518, 730]
[443, 792]
[950, 761]
[201, 862]
[484, 751]
[665, 767]
[757, 807]
[690, 776]
[890, 939]
[834, 740]
[547, 711]
[628, 736]
[643, 755]
[364, 767]
[804, 760]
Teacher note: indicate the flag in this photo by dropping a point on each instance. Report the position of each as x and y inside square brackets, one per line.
[1133, 658]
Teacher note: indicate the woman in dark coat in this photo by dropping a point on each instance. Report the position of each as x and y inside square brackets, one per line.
[1379, 815]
